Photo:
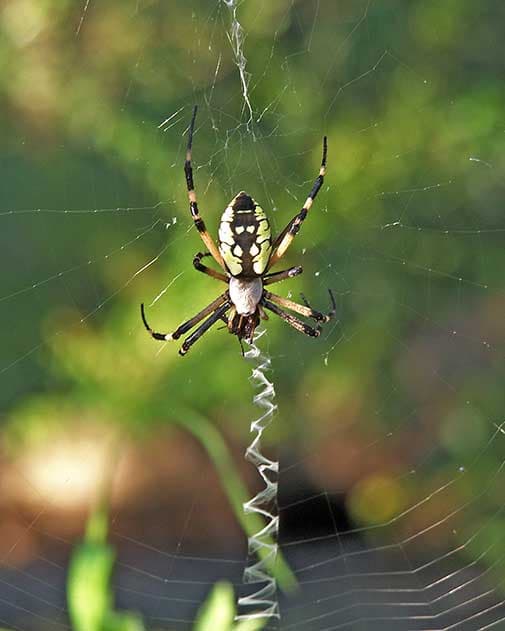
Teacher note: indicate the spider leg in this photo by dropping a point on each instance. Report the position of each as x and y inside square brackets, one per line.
[241, 346]
[333, 305]
[198, 265]
[193, 205]
[304, 310]
[304, 300]
[189, 324]
[263, 313]
[203, 328]
[293, 321]
[230, 317]
[268, 279]
[286, 237]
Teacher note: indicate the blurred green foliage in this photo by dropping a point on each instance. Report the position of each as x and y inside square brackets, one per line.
[85, 136]
[89, 591]
[219, 613]
[90, 595]
[407, 230]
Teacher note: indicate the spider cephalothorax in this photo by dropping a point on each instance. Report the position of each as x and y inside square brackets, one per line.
[245, 254]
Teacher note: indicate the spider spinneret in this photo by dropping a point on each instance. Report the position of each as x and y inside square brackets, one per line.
[245, 255]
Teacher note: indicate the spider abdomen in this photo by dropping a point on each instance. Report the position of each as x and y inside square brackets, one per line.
[245, 239]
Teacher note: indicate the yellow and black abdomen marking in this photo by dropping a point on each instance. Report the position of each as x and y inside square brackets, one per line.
[245, 239]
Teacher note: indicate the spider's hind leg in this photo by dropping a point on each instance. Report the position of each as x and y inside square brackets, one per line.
[292, 320]
[304, 310]
[333, 306]
[203, 328]
[185, 326]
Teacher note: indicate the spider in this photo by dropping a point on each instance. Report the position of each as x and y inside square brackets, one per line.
[246, 253]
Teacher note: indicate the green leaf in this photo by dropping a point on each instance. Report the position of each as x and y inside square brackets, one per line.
[88, 586]
[123, 622]
[250, 625]
[89, 594]
[218, 611]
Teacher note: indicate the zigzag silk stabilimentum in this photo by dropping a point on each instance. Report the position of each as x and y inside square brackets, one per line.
[262, 601]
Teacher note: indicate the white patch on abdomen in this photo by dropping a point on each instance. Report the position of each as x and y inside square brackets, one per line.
[245, 293]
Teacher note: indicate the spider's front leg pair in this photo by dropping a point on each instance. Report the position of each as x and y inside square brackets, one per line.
[281, 243]
[193, 204]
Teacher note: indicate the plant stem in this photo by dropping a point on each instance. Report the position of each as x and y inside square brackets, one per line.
[233, 486]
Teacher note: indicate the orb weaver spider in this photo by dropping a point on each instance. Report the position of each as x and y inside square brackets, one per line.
[246, 253]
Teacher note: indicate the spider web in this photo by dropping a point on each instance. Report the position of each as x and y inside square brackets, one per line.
[391, 425]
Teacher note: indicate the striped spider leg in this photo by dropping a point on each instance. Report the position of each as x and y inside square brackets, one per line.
[285, 238]
[215, 310]
[193, 204]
